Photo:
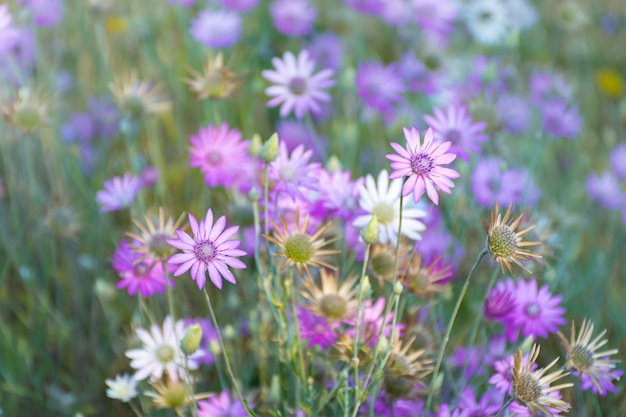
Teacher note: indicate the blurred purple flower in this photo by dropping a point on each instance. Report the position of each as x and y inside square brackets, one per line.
[326, 50]
[456, 125]
[138, 273]
[293, 17]
[118, 193]
[315, 329]
[560, 119]
[222, 405]
[436, 18]
[491, 183]
[239, 5]
[216, 29]
[381, 87]
[45, 12]
[209, 334]
[9, 35]
[606, 190]
[488, 406]
[416, 75]
[545, 85]
[294, 133]
[17, 63]
[514, 113]
[618, 160]
[606, 381]
[367, 6]
[293, 173]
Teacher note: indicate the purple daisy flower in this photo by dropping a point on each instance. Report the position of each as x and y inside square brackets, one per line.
[296, 87]
[138, 274]
[436, 18]
[604, 378]
[315, 329]
[380, 86]
[502, 380]
[456, 125]
[339, 195]
[491, 184]
[327, 50]
[474, 356]
[486, 407]
[444, 411]
[211, 250]
[501, 303]
[119, 192]
[387, 406]
[561, 120]
[373, 319]
[545, 85]
[366, 6]
[293, 17]
[9, 35]
[216, 29]
[605, 189]
[538, 312]
[220, 154]
[618, 160]
[293, 172]
[222, 405]
[417, 76]
[514, 113]
[294, 133]
[423, 165]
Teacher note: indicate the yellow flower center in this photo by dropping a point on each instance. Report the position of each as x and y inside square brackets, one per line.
[582, 357]
[333, 306]
[28, 117]
[502, 241]
[382, 264]
[174, 396]
[165, 354]
[385, 213]
[299, 248]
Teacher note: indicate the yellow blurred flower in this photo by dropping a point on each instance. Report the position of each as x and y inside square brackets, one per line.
[116, 25]
[610, 82]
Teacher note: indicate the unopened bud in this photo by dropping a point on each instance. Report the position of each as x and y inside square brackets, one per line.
[255, 145]
[333, 164]
[229, 332]
[370, 233]
[214, 348]
[398, 288]
[253, 195]
[354, 363]
[269, 150]
[383, 344]
[191, 341]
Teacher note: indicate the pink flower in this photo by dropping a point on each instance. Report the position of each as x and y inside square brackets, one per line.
[210, 250]
[222, 405]
[293, 173]
[423, 165]
[119, 192]
[538, 312]
[295, 85]
[221, 155]
[144, 276]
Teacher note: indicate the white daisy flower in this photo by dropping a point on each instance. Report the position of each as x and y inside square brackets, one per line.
[382, 198]
[161, 352]
[487, 21]
[123, 388]
[522, 14]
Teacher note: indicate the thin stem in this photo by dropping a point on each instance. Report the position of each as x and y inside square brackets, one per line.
[359, 315]
[266, 193]
[296, 329]
[226, 361]
[504, 407]
[479, 318]
[135, 409]
[194, 406]
[388, 305]
[446, 337]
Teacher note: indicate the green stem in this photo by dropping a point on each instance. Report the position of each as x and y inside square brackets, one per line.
[357, 333]
[296, 329]
[504, 407]
[194, 404]
[446, 337]
[226, 361]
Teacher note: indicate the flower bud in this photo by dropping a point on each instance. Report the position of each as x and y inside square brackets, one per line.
[269, 150]
[253, 195]
[333, 164]
[366, 288]
[214, 348]
[255, 145]
[370, 233]
[229, 332]
[398, 288]
[191, 341]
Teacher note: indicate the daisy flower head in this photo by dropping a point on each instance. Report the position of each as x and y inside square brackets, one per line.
[532, 388]
[382, 198]
[216, 28]
[505, 243]
[296, 87]
[338, 193]
[425, 278]
[138, 98]
[211, 250]
[423, 164]
[293, 17]
[298, 247]
[487, 406]
[405, 369]
[561, 120]
[293, 173]
[455, 124]
[222, 405]
[487, 21]
[618, 160]
[436, 17]
[220, 154]
[582, 355]
[138, 273]
[118, 193]
[537, 312]
[123, 388]
[160, 352]
[331, 300]
[381, 87]
[605, 189]
[151, 241]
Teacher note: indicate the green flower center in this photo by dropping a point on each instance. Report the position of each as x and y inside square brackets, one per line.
[382, 264]
[133, 105]
[582, 357]
[157, 244]
[333, 306]
[299, 248]
[503, 241]
[385, 213]
[165, 353]
[28, 117]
